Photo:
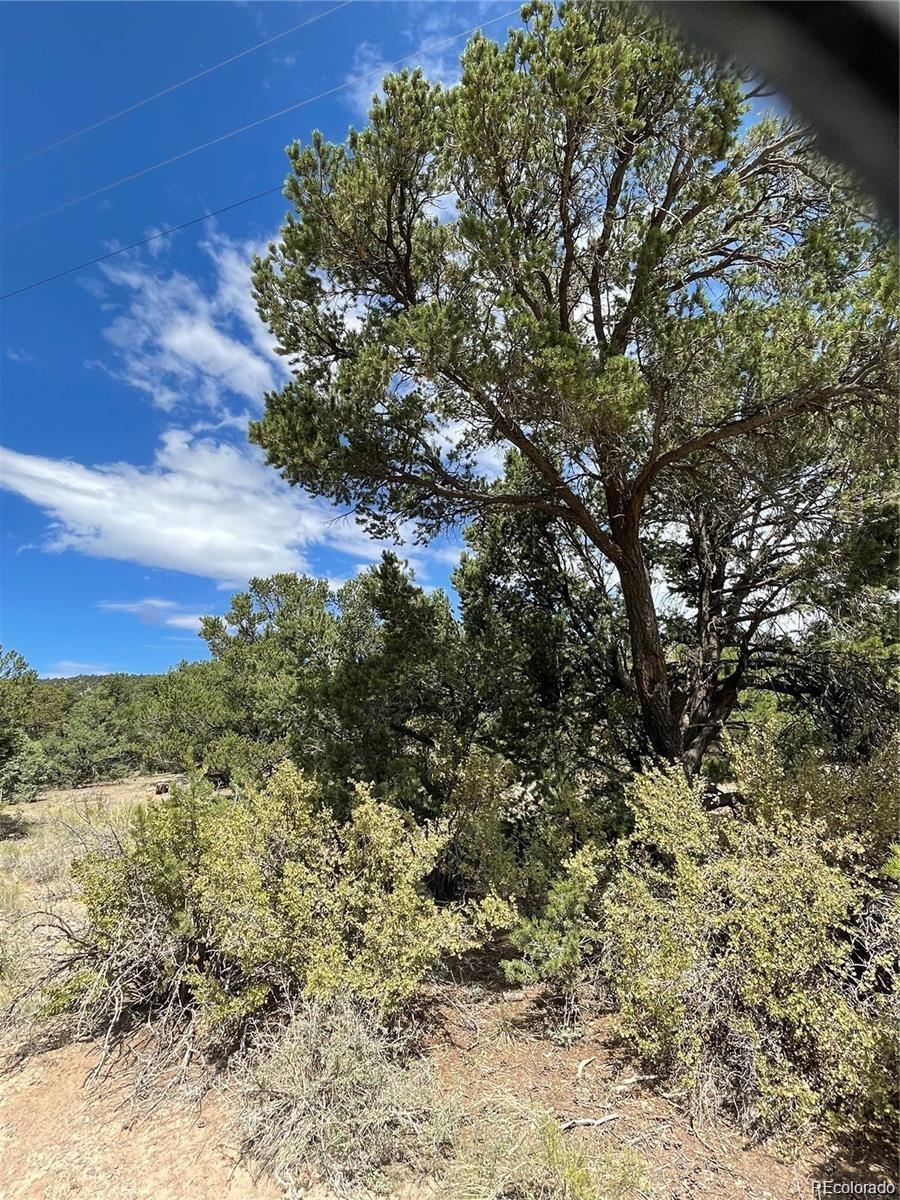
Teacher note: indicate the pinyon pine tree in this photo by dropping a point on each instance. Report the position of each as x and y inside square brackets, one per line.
[591, 282]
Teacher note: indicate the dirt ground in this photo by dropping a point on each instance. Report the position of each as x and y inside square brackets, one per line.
[499, 1042]
[64, 1136]
[61, 1138]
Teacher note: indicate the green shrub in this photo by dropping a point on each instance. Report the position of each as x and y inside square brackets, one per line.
[557, 945]
[853, 807]
[221, 905]
[732, 949]
[509, 837]
[340, 908]
[536, 854]
[25, 771]
[330, 1094]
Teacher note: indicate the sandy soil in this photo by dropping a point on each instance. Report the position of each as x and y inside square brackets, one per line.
[592, 1079]
[134, 790]
[61, 1138]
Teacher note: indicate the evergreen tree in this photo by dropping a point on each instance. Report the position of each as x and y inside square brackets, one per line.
[673, 320]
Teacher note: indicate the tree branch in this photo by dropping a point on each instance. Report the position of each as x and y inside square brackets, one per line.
[805, 402]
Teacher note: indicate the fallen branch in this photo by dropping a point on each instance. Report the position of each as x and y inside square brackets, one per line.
[575, 1122]
[585, 1062]
[626, 1083]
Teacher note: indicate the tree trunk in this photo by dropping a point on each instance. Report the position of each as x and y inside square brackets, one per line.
[647, 655]
[698, 740]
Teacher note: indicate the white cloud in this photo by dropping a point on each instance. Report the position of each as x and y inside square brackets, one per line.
[449, 555]
[93, 286]
[439, 62]
[488, 459]
[153, 611]
[185, 621]
[368, 70]
[187, 344]
[445, 208]
[19, 356]
[199, 345]
[233, 295]
[205, 507]
[159, 245]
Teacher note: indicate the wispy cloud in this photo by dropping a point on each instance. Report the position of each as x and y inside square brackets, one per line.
[93, 286]
[154, 611]
[20, 356]
[186, 343]
[429, 30]
[368, 69]
[189, 621]
[207, 504]
[161, 245]
[205, 507]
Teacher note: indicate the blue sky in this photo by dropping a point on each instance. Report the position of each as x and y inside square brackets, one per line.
[131, 501]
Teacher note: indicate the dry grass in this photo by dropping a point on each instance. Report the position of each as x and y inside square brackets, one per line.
[13, 955]
[43, 842]
[39, 858]
[516, 1154]
[38, 843]
[330, 1095]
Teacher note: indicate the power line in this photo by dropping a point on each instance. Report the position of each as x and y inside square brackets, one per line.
[351, 82]
[172, 88]
[238, 203]
[142, 242]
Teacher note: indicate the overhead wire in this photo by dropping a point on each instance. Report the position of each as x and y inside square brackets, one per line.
[349, 82]
[141, 242]
[167, 91]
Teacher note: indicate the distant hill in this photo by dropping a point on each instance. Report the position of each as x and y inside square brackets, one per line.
[81, 683]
